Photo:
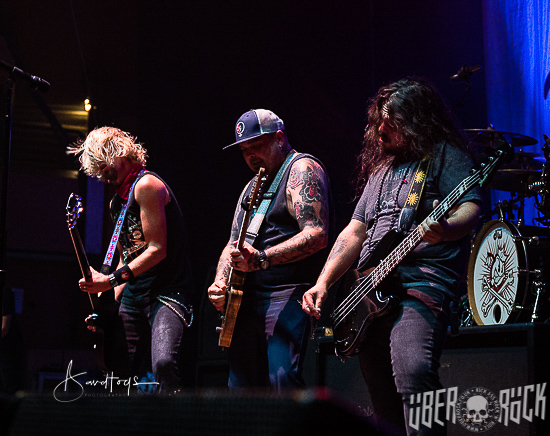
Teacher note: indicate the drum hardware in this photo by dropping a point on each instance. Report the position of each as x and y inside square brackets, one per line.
[489, 135]
[464, 312]
[541, 186]
[524, 160]
[531, 240]
[515, 180]
[504, 211]
[540, 288]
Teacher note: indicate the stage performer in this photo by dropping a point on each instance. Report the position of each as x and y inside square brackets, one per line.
[153, 280]
[407, 122]
[271, 331]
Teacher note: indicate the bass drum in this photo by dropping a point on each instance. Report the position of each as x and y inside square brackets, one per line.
[505, 264]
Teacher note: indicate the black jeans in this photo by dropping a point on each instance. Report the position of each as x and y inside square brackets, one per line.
[156, 328]
[400, 357]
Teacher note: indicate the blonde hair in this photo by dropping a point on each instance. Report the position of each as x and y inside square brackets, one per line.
[102, 145]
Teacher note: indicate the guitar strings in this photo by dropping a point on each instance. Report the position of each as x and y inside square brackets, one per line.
[381, 271]
[378, 274]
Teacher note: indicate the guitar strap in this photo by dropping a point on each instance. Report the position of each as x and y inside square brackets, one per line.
[408, 212]
[106, 267]
[259, 214]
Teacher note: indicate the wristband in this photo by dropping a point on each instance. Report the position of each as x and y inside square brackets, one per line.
[121, 276]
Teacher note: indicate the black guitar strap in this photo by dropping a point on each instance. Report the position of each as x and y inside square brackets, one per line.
[408, 212]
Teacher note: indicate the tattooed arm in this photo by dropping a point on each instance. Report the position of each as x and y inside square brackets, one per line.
[307, 200]
[216, 291]
[345, 250]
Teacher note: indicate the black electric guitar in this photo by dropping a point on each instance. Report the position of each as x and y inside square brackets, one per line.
[74, 209]
[358, 306]
[234, 294]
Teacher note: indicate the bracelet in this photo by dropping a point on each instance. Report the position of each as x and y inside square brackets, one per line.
[121, 276]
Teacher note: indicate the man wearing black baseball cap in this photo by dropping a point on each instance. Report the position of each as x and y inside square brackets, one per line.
[284, 250]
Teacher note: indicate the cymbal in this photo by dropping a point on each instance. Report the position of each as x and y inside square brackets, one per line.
[514, 180]
[524, 160]
[487, 136]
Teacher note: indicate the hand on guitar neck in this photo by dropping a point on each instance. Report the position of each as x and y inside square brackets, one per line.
[74, 209]
[238, 257]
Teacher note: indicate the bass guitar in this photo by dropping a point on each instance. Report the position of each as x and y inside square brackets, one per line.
[234, 293]
[356, 307]
[74, 209]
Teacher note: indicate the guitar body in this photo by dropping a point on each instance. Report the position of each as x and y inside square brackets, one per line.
[233, 299]
[356, 309]
[234, 294]
[349, 333]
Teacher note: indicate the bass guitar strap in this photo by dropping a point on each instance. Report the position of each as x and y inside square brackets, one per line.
[408, 212]
[259, 214]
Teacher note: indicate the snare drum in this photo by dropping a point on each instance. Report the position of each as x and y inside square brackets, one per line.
[505, 262]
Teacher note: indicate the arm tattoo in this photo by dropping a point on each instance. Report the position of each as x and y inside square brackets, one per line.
[312, 192]
[305, 214]
[308, 190]
[340, 246]
[311, 188]
[296, 248]
[223, 269]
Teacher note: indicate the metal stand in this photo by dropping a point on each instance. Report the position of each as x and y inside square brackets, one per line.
[37, 84]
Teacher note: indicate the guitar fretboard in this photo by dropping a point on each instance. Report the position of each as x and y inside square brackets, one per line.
[386, 266]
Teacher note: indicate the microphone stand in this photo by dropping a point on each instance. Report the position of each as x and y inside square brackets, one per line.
[43, 86]
[6, 145]
[464, 74]
[465, 93]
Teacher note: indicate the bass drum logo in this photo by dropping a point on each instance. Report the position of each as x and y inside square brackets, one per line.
[477, 409]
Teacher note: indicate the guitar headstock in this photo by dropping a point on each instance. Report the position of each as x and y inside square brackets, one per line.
[253, 200]
[491, 159]
[74, 209]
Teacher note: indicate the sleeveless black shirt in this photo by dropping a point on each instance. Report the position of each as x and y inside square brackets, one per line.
[278, 226]
[171, 275]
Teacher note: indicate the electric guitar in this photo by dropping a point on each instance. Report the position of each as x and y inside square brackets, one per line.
[358, 306]
[234, 293]
[74, 209]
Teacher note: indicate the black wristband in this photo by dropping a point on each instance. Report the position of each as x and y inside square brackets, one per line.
[121, 276]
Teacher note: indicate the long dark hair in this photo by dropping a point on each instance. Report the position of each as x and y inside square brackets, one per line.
[417, 109]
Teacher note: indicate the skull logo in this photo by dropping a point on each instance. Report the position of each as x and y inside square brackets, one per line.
[477, 409]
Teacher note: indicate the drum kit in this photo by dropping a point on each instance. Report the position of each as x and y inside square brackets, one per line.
[509, 262]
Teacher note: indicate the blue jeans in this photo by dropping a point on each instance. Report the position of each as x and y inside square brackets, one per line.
[268, 345]
[154, 336]
[400, 357]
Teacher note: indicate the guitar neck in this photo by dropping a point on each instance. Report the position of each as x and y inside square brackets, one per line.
[244, 228]
[80, 253]
[385, 267]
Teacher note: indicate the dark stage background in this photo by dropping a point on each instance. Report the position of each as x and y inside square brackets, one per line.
[178, 75]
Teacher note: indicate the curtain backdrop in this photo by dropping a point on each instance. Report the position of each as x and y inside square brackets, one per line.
[517, 73]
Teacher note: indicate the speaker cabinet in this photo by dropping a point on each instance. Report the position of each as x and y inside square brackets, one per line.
[323, 369]
[503, 360]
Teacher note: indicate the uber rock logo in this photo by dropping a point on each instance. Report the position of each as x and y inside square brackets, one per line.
[477, 409]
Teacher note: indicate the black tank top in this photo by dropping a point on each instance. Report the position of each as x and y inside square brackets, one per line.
[278, 226]
[172, 274]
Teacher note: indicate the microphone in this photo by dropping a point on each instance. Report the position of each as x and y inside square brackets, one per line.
[466, 72]
[36, 82]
